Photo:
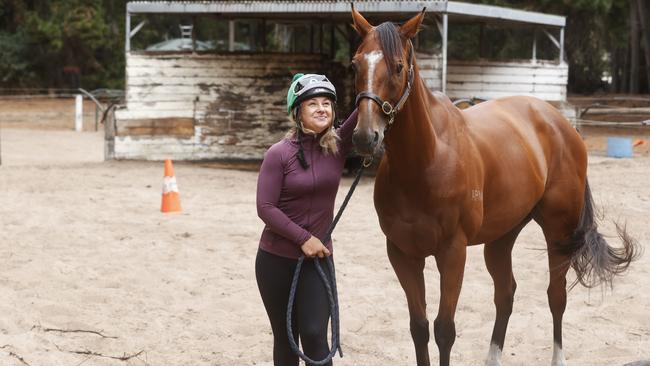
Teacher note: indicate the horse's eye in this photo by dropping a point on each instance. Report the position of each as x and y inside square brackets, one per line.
[353, 66]
[399, 68]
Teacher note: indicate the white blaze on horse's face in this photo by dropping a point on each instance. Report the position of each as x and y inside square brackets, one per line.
[372, 58]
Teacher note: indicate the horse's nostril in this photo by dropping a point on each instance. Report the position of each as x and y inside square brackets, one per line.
[366, 142]
[355, 139]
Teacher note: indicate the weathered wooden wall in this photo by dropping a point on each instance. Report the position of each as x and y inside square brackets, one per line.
[430, 70]
[488, 80]
[197, 107]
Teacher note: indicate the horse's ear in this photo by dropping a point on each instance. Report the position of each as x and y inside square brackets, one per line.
[412, 27]
[360, 24]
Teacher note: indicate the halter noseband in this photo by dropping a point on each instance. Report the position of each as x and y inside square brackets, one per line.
[385, 106]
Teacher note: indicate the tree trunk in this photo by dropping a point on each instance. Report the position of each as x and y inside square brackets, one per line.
[615, 87]
[645, 30]
[634, 48]
[625, 69]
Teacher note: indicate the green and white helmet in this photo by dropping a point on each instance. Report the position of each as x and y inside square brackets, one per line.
[305, 86]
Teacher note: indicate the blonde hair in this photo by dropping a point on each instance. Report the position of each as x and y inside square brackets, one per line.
[329, 140]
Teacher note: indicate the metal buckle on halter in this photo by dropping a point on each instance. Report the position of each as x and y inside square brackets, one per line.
[387, 108]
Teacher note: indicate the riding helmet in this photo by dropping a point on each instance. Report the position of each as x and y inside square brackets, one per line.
[305, 86]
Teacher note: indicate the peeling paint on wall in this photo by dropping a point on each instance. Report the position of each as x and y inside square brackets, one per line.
[236, 102]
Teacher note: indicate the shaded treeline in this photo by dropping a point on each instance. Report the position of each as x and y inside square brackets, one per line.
[56, 43]
[70, 43]
[607, 38]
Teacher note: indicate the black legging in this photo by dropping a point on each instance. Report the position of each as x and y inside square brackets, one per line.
[311, 308]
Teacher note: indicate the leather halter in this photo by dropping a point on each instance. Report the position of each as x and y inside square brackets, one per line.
[385, 106]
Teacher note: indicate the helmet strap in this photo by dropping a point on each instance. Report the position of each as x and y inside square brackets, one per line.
[301, 152]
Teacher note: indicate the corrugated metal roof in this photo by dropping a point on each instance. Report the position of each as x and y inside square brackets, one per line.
[506, 14]
[265, 8]
[341, 9]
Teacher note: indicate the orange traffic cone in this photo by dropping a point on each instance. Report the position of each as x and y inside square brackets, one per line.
[171, 201]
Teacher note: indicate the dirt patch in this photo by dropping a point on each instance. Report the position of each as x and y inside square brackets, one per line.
[85, 249]
[45, 113]
[595, 137]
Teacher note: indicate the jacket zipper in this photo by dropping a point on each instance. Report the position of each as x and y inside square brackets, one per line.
[313, 184]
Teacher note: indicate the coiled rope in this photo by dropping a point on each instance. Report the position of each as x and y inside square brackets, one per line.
[330, 287]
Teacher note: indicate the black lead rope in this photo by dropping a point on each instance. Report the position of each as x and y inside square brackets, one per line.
[331, 288]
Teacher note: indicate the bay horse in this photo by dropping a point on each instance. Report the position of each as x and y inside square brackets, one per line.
[450, 178]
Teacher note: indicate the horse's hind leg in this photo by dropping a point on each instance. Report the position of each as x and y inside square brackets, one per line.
[558, 215]
[498, 260]
[558, 266]
[409, 271]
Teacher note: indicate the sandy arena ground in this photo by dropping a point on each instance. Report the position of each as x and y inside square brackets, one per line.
[84, 247]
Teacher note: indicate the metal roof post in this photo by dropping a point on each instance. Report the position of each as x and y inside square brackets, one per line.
[231, 35]
[445, 28]
[561, 45]
[127, 43]
[320, 37]
[535, 46]
[311, 38]
[263, 31]
[332, 41]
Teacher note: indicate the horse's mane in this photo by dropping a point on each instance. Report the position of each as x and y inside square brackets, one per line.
[390, 43]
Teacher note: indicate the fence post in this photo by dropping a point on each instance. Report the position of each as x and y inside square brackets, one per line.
[78, 113]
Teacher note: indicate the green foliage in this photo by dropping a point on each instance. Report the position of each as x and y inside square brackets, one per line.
[588, 34]
[15, 68]
[60, 43]
[74, 37]
[70, 43]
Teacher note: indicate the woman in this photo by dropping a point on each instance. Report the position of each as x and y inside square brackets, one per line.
[296, 188]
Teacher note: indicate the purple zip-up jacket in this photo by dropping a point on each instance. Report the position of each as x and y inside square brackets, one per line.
[295, 203]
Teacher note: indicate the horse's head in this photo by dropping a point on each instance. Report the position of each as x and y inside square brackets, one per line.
[383, 66]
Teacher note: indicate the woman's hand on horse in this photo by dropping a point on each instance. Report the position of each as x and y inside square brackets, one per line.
[314, 248]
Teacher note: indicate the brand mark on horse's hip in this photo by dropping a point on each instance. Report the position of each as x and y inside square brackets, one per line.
[477, 195]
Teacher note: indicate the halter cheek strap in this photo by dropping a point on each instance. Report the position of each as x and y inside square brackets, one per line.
[387, 108]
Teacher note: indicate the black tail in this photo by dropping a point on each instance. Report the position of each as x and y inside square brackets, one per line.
[594, 261]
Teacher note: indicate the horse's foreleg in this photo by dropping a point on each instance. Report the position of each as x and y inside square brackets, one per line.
[498, 260]
[451, 265]
[409, 271]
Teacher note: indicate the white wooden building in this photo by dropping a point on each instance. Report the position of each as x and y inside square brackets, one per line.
[202, 107]
[231, 105]
[492, 79]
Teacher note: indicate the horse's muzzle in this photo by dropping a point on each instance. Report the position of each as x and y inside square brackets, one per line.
[365, 142]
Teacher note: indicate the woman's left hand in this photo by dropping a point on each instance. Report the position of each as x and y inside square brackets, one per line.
[314, 248]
